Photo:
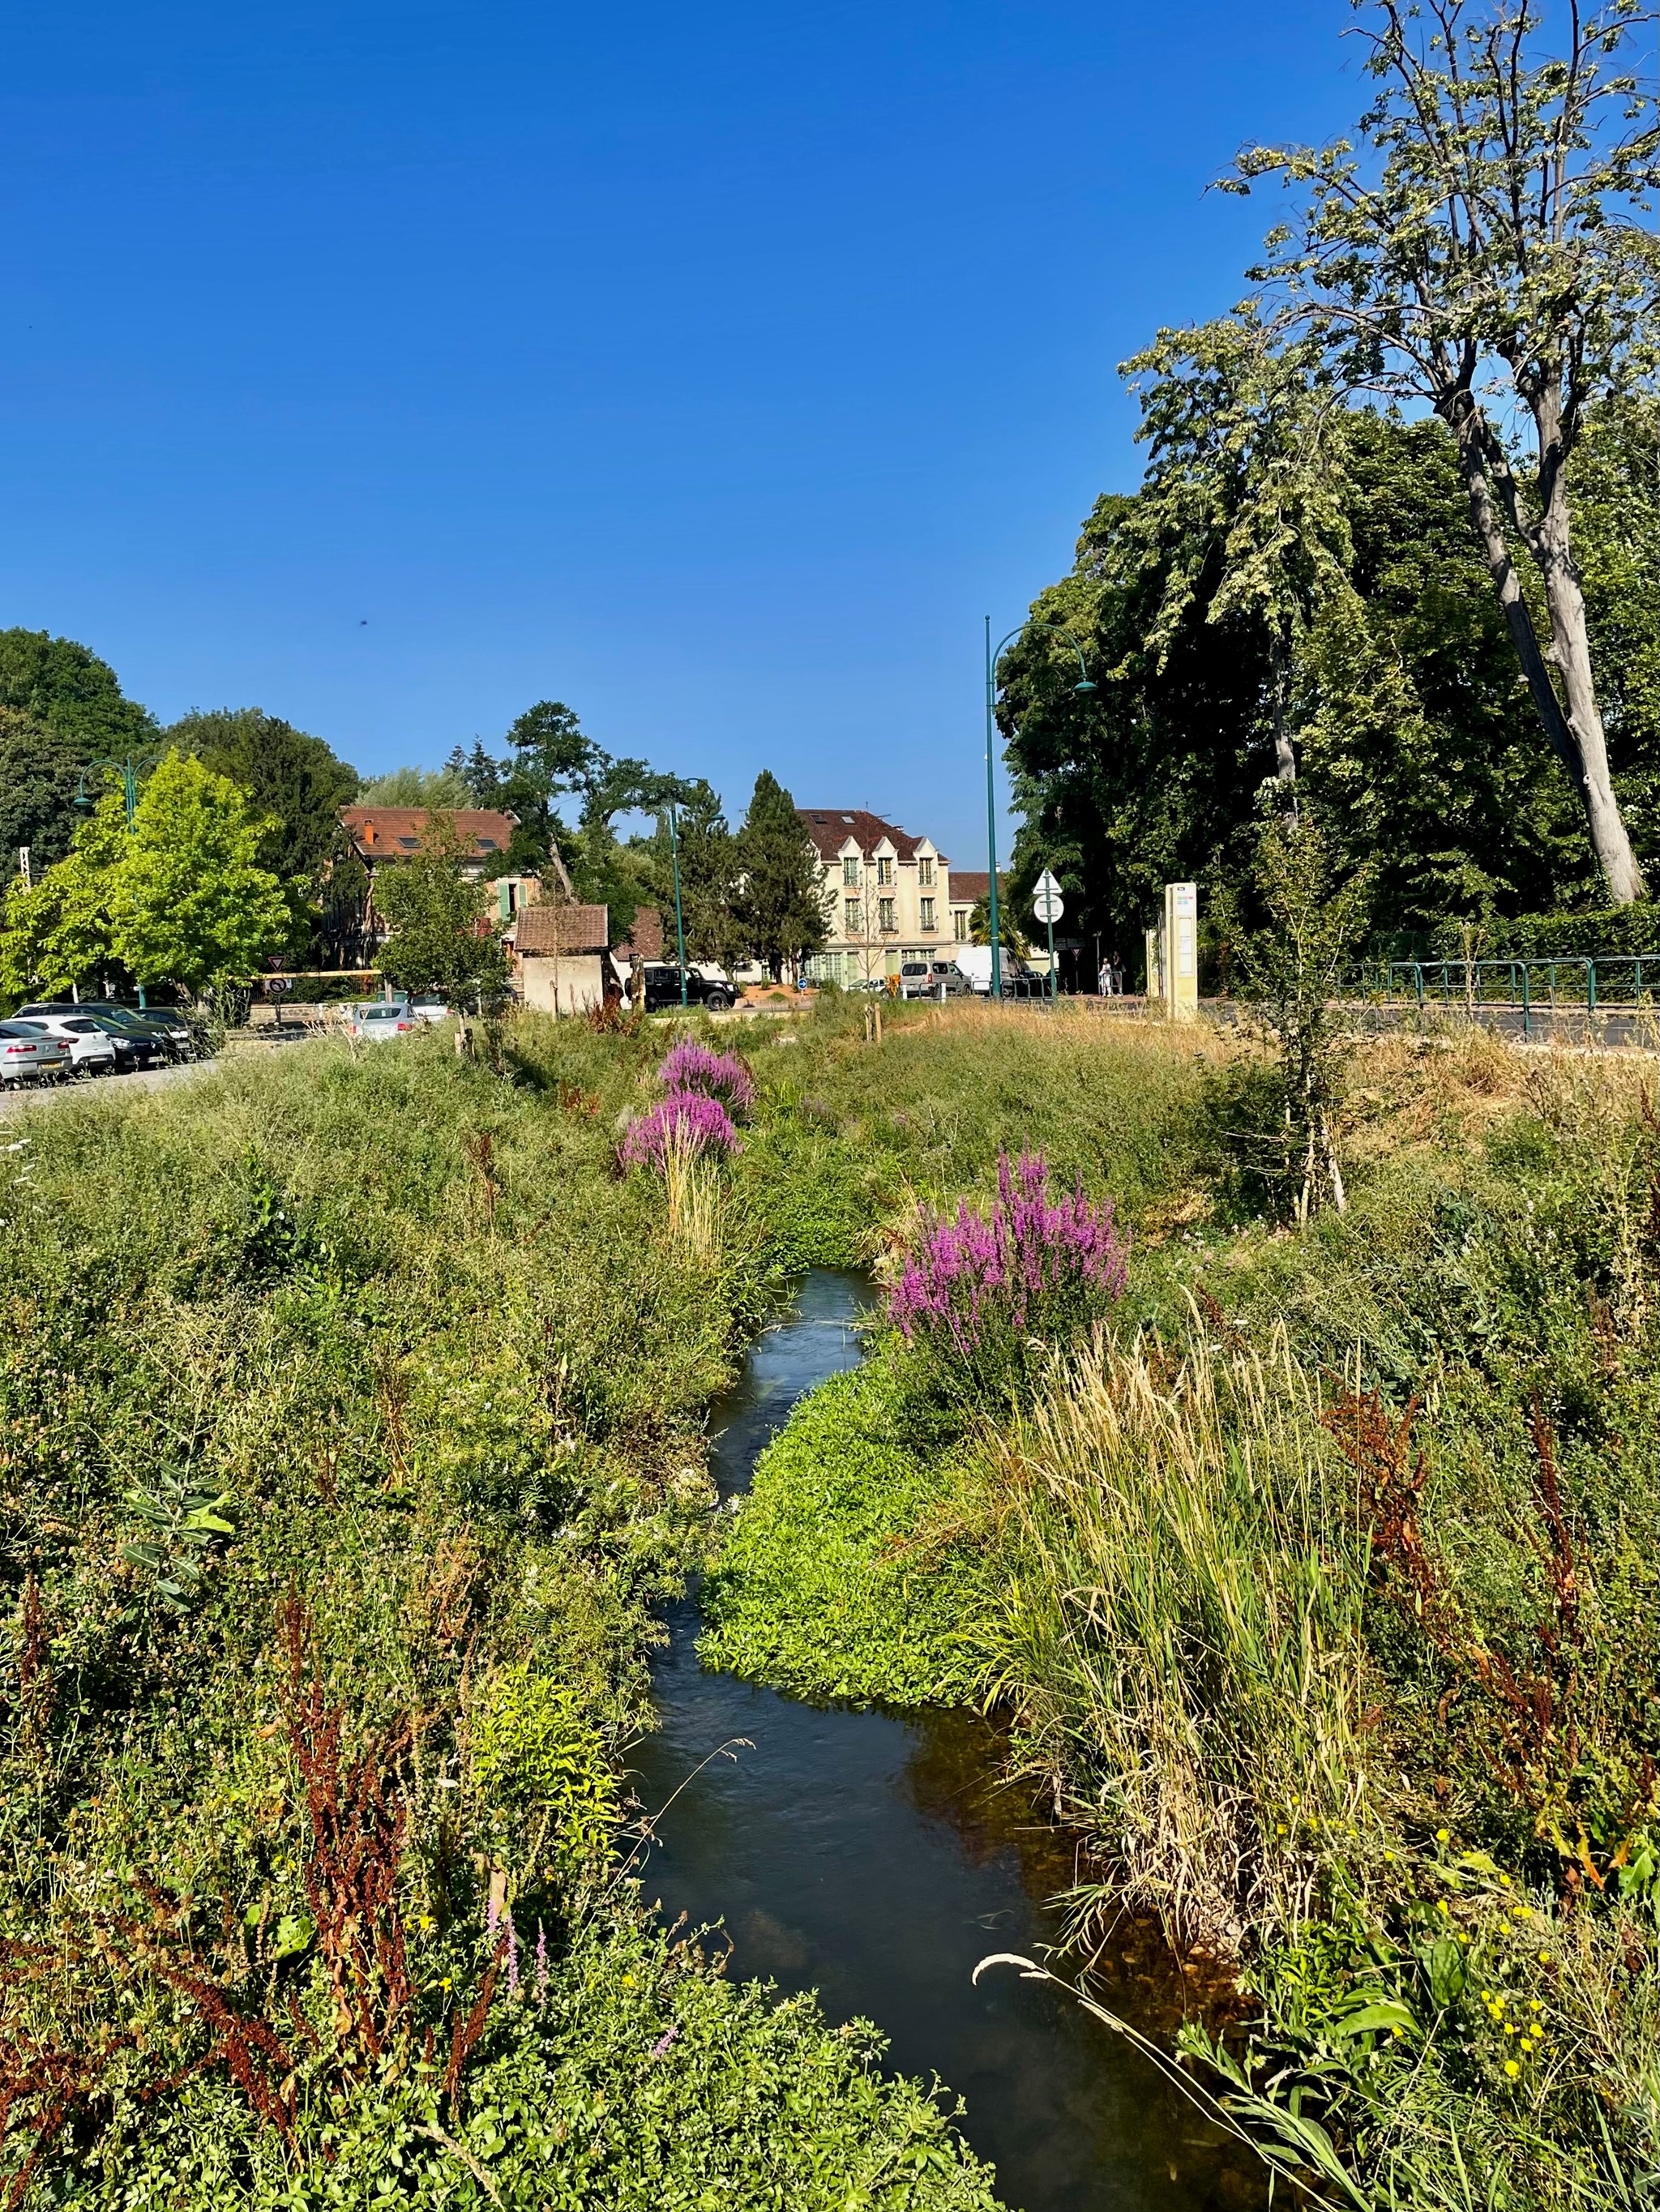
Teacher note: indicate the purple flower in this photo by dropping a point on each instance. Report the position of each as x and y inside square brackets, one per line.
[692, 1067]
[1039, 1259]
[687, 1119]
[660, 2049]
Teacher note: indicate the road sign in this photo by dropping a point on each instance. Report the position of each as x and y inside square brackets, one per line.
[1047, 902]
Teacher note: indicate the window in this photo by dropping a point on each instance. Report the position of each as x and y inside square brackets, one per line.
[487, 844]
[409, 844]
[925, 877]
[928, 913]
[959, 925]
[850, 871]
[884, 920]
[884, 873]
[850, 908]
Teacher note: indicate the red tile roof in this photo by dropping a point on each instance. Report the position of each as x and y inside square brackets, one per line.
[831, 827]
[974, 884]
[379, 831]
[644, 934]
[548, 928]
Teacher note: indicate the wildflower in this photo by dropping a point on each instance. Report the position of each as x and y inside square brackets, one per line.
[1503, 1881]
[1278, 1827]
[1522, 1912]
[1510, 2027]
[1443, 1907]
[722, 1075]
[1388, 1856]
[1512, 2068]
[1443, 1836]
[664, 2040]
[1544, 1958]
[686, 1118]
[1534, 2005]
[1462, 1936]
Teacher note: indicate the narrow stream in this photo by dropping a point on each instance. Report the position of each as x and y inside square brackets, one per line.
[871, 1855]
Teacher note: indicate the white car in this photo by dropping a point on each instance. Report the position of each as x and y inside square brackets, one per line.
[378, 1023]
[91, 1048]
[29, 1055]
[428, 1006]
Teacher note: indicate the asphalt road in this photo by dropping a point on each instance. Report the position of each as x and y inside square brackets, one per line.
[18, 1097]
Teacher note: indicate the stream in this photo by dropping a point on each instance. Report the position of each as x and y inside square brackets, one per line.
[873, 1856]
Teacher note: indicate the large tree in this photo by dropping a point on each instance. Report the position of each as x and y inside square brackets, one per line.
[1492, 256]
[62, 709]
[294, 782]
[41, 780]
[779, 901]
[439, 939]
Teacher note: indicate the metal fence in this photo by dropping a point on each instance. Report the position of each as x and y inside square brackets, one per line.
[1527, 985]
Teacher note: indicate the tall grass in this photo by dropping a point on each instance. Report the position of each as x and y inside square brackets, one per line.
[1179, 1633]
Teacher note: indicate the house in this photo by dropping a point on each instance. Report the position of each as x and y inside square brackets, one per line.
[967, 887]
[888, 895]
[561, 957]
[394, 833]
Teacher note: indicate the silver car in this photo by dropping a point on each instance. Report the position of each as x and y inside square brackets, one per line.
[91, 1048]
[377, 1024]
[29, 1055]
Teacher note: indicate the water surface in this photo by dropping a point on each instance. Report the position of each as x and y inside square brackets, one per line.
[871, 1856]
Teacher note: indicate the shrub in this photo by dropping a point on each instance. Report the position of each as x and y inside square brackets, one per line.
[686, 1122]
[1039, 1265]
[692, 1067]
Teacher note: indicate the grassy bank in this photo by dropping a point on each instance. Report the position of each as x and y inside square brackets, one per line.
[1320, 1584]
[351, 1428]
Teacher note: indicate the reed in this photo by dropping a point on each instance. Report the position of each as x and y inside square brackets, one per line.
[1180, 1635]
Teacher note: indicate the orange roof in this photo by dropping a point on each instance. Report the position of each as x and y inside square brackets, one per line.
[644, 934]
[385, 832]
[831, 827]
[546, 928]
[974, 884]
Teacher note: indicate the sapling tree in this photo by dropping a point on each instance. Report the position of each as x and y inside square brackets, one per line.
[439, 939]
[1292, 972]
[1492, 257]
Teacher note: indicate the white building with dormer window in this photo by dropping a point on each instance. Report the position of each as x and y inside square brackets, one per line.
[887, 896]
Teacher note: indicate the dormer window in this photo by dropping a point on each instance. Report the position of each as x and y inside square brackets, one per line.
[884, 872]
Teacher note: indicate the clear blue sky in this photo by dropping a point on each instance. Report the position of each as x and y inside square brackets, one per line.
[713, 370]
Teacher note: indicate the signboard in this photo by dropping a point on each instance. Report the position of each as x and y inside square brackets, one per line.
[1182, 951]
[1047, 902]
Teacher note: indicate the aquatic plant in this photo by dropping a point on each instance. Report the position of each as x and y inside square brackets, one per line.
[1040, 1262]
[692, 1067]
[686, 1122]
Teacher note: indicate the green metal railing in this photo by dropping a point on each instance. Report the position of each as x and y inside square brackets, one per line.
[1525, 985]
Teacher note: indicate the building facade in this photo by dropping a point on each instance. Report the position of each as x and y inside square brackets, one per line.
[888, 895]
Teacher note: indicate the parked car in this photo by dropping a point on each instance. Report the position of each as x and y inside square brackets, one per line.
[29, 1055]
[170, 1034]
[932, 979]
[662, 980]
[380, 1021]
[429, 1006]
[92, 1049]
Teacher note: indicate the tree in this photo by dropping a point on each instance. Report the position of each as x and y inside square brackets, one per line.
[1494, 259]
[1241, 504]
[708, 876]
[439, 941]
[39, 777]
[59, 936]
[416, 787]
[293, 781]
[73, 693]
[780, 905]
[189, 902]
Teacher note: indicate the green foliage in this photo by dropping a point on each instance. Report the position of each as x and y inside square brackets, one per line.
[435, 914]
[39, 777]
[535, 1752]
[73, 693]
[293, 781]
[832, 1585]
[190, 903]
[445, 789]
[182, 1520]
[779, 913]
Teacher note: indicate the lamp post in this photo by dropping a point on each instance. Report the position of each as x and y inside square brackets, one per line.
[679, 923]
[992, 659]
[127, 767]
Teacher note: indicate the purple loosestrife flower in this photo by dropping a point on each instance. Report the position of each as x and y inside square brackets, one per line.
[1039, 1256]
[692, 1067]
[660, 2048]
[688, 1119]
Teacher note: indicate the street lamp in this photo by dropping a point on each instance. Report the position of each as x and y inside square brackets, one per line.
[127, 767]
[992, 659]
[679, 923]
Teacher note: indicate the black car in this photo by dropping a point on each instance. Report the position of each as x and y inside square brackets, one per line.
[663, 989]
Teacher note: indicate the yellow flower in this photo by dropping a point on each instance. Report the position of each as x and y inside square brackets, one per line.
[1544, 1958]
[1503, 1881]
[1463, 1937]
[1520, 1910]
[1534, 2005]
[1278, 1827]
[1442, 1906]
[1442, 1835]
[1389, 1855]
[1512, 2068]
[1510, 2027]
[628, 1981]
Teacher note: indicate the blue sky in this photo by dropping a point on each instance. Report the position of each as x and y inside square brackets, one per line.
[713, 370]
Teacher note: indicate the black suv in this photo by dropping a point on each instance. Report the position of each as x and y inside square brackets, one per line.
[663, 989]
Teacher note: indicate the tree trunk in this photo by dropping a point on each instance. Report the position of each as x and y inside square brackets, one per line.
[1285, 755]
[1570, 653]
[1575, 739]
